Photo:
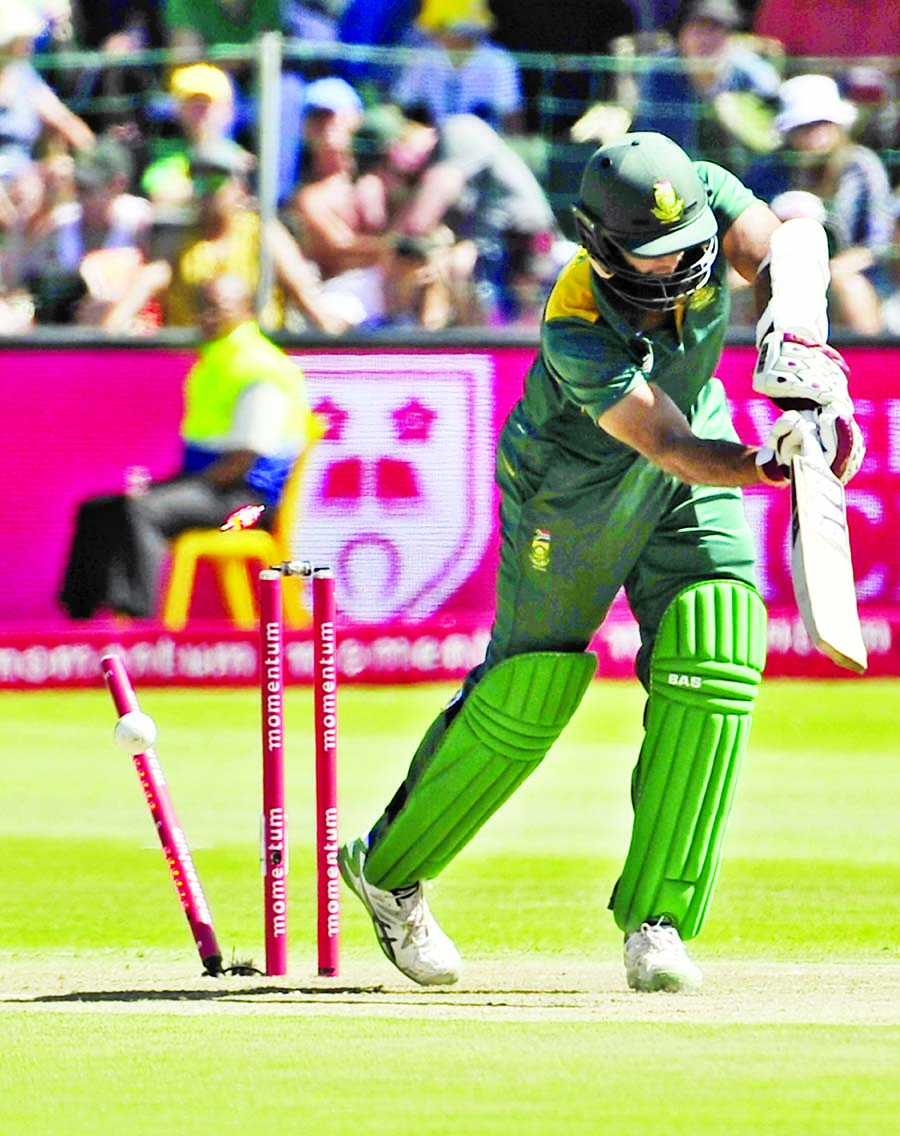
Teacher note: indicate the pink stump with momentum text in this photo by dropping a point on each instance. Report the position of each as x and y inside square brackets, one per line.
[171, 835]
[274, 820]
[325, 695]
[273, 831]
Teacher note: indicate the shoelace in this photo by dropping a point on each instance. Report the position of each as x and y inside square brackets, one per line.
[412, 907]
[661, 935]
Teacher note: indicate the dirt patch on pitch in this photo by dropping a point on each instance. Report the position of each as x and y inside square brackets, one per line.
[511, 989]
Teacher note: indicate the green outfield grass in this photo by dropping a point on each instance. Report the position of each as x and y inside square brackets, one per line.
[107, 1028]
[298, 1076]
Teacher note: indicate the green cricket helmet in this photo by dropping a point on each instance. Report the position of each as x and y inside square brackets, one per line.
[642, 195]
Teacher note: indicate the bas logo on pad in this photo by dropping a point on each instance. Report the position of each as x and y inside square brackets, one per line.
[692, 681]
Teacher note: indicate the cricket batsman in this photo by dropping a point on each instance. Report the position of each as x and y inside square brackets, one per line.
[620, 468]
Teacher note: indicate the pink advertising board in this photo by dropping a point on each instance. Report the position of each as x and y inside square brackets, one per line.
[400, 500]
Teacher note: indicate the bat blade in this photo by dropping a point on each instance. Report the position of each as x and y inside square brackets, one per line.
[821, 561]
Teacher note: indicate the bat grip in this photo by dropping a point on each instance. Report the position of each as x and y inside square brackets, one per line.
[810, 446]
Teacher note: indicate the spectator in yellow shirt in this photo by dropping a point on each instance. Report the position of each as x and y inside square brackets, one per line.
[245, 424]
[227, 237]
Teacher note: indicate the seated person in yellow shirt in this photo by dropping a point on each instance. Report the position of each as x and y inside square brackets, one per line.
[245, 423]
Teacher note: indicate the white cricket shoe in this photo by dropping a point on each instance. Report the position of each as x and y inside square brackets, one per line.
[655, 959]
[407, 931]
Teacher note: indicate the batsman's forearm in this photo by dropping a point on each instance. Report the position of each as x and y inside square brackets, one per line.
[709, 461]
[648, 421]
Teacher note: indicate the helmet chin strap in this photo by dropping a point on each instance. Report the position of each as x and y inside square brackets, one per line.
[601, 270]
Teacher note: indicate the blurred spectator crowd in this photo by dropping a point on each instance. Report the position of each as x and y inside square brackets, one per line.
[422, 186]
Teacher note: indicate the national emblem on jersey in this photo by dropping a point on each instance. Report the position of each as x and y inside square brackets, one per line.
[539, 553]
[702, 298]
[669, 206]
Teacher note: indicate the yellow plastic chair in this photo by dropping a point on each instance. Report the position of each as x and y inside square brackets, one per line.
[235, 553]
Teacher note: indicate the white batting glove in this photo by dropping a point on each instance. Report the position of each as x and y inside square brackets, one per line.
[842, 442]
[784, 441]
[799, 374]
[839, 437]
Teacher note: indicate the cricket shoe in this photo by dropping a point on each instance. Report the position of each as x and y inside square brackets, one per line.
[407, 931]
[655, 959]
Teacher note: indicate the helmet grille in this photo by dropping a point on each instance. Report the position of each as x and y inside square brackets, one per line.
[645, 290]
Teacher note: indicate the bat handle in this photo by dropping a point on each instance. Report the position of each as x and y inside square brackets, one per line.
[810, 445]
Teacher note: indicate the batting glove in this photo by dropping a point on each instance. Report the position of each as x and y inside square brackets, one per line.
[842, 442]
[799, 375]
[839, 437]
[785, 439]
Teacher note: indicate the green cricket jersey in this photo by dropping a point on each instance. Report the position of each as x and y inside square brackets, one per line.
[582, 514]
[590, 357]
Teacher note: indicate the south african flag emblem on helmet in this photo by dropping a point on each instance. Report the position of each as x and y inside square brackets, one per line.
[669, 206]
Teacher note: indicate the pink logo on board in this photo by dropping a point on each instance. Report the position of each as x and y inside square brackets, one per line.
[399, 495]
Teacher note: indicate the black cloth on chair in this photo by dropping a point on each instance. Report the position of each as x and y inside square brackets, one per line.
[120, 541]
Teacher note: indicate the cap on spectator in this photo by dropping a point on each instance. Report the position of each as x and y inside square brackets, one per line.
[332, 94]
[381, 126]
[455, 15]
[221, 156]
[19, 21]
[201, 79]
[725, 13]
[806, 99]
[104, 161]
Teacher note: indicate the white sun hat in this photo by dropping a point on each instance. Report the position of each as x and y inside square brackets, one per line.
[812, 98]
[19, 20]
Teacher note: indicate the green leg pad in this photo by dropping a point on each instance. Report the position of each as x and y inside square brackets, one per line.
[704, 675]
[459, 778]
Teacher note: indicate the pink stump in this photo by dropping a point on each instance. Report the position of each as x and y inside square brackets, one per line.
[325, 696]
[171, 835]
[273, 835]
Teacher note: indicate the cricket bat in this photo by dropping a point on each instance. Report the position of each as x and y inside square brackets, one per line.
[821, 563]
